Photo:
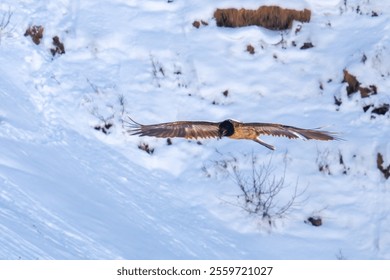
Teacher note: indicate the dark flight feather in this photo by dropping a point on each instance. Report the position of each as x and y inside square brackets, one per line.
[184, 129]
[291, 131]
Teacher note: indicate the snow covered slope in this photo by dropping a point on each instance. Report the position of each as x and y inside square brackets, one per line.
[75, 185]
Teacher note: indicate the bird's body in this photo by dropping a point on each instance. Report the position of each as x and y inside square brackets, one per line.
[228, 128]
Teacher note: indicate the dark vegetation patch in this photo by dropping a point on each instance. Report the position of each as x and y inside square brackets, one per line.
[145, 147]
[58, 46]
[381, 109]
[35, 32]
[307, 45]
[250, 49]
[270, 17]
[198, 23]
[385, 170]
[105, 128]
[314, 221]
[354, 86]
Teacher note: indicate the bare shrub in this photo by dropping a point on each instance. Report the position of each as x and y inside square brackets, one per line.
[271, 17]
[260, 189]
[35, 32]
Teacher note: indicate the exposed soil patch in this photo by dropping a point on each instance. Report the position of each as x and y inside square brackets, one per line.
[271, 17]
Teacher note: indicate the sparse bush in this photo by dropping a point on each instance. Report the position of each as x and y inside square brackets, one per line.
[158, 71]
[260, 189]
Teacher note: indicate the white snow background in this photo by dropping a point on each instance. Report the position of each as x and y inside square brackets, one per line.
[70, 191]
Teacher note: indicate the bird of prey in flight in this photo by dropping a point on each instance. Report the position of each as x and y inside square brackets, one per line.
[227, 128]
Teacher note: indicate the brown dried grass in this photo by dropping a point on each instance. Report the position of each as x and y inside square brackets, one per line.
[36, 33]
[271, 17]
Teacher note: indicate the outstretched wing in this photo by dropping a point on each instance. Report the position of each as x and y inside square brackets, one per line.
[291, 131]
[185, 129]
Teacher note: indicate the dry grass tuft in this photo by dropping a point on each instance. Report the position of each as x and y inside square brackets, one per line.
[36, 33]
[271, 17]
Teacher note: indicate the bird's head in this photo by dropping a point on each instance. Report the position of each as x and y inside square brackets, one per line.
[226, 128]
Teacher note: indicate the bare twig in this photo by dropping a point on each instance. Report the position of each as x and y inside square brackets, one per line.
[260, 189]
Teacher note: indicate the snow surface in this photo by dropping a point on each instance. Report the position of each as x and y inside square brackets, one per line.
[69, 191]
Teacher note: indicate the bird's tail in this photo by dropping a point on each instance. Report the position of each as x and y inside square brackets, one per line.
[131, 126]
